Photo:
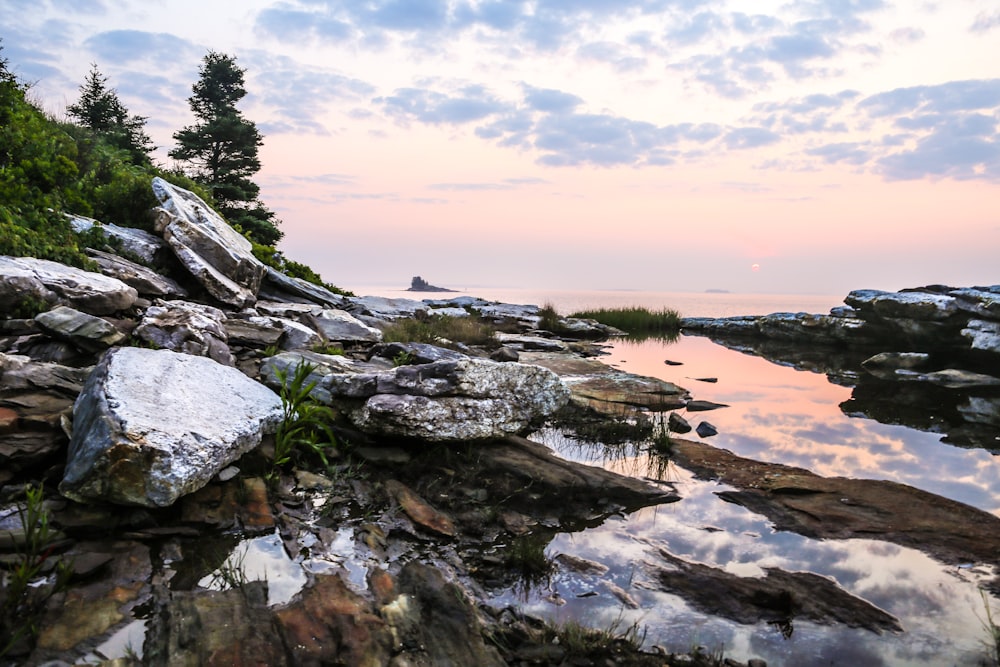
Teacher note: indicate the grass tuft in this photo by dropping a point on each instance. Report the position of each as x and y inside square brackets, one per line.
[637, 321]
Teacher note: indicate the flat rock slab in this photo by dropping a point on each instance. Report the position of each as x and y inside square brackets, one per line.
[79, 329]
[57, 284]
[797, 500]
[605, 389]
[152, 425]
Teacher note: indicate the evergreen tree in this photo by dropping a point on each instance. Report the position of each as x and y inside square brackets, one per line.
[100, 110]
[221, 147]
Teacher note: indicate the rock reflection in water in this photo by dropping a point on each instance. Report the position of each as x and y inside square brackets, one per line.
[780, 414]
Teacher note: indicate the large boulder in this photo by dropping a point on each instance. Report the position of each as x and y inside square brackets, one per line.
[216, 254]
[341, 326]
[24, 279]
[450, 400]
[152, 425]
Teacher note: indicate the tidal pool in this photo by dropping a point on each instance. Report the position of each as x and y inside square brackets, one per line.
[782, 415]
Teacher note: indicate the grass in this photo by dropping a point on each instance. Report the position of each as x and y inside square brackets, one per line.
[527, 558]
[26, 587]
[305, 423]
[992, 631]
[637, 321]
[578, 639]
[441, 330]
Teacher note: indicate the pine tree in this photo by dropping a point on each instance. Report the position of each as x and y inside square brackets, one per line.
[221, 147]
[100, 110]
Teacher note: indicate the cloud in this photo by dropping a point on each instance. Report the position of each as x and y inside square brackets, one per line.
[552, 101]
[295, 25]
[126, 46]
[946, 97]
[742, 138]
[427, 106]
[300, 94]
[986, 21]
[505, 184]
[850, 152]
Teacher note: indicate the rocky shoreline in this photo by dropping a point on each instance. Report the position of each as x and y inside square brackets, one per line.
[150, 406]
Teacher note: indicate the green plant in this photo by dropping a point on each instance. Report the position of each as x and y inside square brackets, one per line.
[305, 423]
[271, 350]
[549, 319]
[638, 322]
[992, 630]
[328, 348]
[403, 358]
[32, 579]
[526, 557]
[232, 574]
[443, 330]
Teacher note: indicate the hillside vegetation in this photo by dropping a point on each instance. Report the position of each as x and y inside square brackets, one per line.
[50, 168]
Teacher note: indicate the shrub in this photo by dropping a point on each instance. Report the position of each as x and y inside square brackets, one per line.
[638, 322]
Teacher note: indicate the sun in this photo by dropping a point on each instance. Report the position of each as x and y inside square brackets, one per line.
[755, 267]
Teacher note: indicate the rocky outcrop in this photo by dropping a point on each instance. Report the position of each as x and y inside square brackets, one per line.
[152, 425]
[219, 257]
[138, 243]
[926, 319]
[144, 280]
[79, 329]
[452, 400]
[30, 280]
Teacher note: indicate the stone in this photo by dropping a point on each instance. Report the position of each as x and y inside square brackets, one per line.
[677, 424]
[983, 335]
[57, 284]
[416, 353]
[911, 305]
[150, 248]
[464, 399]
[896, 360]
[706, 430]
[505, 354]
[385, 308]
[184, 326]
[522, 342]
[702, 405]
[301, 289]
[341, 326]
[153, 425]
[255, 332]
[80, 329]
[144, 280]
[419, 511]
[218, 256]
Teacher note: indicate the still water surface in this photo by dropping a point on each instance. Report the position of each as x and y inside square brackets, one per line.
[777, 414]
[782, 415]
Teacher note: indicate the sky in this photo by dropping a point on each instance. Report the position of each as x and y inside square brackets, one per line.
[801, 146]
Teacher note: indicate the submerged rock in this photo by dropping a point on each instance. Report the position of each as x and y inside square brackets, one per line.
[152, 425]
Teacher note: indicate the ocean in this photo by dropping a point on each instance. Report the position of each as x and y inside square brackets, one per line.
[688, 304]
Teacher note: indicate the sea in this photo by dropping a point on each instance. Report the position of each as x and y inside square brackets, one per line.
[688, 304]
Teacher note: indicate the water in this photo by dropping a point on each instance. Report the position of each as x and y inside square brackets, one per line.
[776, 414]
[781, 415]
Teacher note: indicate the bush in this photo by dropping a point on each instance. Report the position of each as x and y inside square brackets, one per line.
[638, 322]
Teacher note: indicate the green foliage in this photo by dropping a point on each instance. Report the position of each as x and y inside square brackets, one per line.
[305, 422]
[550, 320]
[403, 358]
[100, 110]
[442, 330]
[638, 322]
[222, 147]
[27, 586]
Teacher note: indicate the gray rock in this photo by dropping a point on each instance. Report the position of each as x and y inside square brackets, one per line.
[706, 430]
[910, 305]
[983, 335]
[384, 308]
[678, 424]
[466, 399]
[417, 353]
[218, 256]
[79, 329]
[301, 289]
[982, 302]
[505, 354]
[341, 326]
[536, 343]
[183, 326]
[256, 332]
[144, 280]
[152, 425]
[57, 284]
[150, 248]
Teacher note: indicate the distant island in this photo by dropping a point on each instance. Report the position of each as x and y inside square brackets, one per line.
[717, 291]
[418, 284]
